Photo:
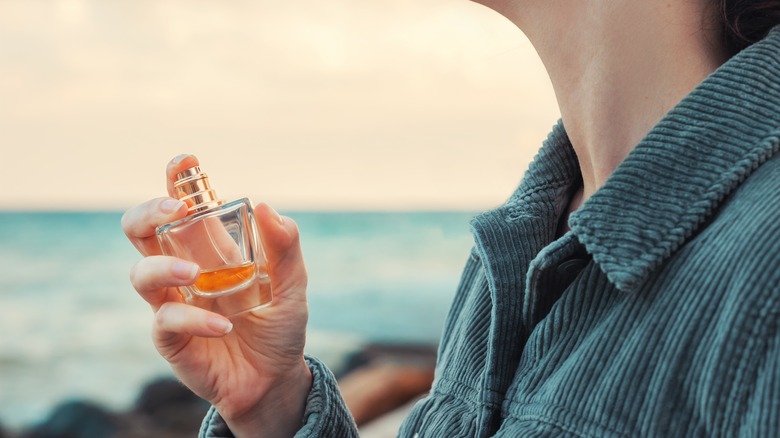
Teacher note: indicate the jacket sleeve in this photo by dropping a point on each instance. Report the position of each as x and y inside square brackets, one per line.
[326, 414]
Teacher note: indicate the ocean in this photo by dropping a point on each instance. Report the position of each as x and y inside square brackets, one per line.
[72, 327]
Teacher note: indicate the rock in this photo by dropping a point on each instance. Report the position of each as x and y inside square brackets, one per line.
[164, 409]
[76, 419]
[167, 405]
[3, 432]
[422, 354]
[384, 377]
[380, 388]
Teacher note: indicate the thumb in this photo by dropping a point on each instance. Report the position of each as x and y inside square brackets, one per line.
[281, 242]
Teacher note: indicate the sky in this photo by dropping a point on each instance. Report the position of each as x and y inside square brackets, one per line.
[306, 105]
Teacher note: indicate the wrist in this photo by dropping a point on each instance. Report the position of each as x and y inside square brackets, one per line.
[280, 411]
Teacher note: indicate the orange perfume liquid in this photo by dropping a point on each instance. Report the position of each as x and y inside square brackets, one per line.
[216, 280]
[250, 286]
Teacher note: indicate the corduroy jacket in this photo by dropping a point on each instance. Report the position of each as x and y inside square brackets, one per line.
[656, 315]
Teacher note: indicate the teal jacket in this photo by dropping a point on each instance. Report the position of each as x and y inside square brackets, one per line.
[658, 314]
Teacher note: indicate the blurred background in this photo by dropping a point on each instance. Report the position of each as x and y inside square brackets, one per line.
[381, 127]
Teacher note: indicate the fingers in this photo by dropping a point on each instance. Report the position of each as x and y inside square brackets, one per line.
[139, 223]
[156, 277]
[175, 323]
[176, 165]
[283, 250]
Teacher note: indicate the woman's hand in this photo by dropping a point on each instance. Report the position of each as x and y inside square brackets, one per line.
[252, 368]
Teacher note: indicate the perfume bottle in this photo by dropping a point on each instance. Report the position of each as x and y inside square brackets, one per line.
[222, 239]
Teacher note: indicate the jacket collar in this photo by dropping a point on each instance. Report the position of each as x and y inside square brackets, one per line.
[675, 178]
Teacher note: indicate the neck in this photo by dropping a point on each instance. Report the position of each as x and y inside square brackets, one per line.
[617, 67]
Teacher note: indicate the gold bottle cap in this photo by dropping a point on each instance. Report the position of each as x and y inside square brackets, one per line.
[192, 186]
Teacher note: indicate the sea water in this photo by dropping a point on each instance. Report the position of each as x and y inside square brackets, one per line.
[72, 327]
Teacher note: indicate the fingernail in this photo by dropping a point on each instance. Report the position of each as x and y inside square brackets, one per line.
[171, 205]
[277, 218]
[220, 325]
[184, 270]
[177, 159]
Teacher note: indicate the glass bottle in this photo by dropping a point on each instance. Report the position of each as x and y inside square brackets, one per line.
[222, 239]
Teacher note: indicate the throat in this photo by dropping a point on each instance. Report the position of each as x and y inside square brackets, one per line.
[574, 202]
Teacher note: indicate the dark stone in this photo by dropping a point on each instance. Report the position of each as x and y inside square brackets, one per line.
[172, 406]
[421, 354]
[381, 377]
[76, 419]
[3, 432]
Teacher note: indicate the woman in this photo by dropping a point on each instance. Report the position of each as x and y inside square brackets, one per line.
[628, 287]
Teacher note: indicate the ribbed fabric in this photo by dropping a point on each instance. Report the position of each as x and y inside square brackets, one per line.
[669, 328]
[326, 414]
